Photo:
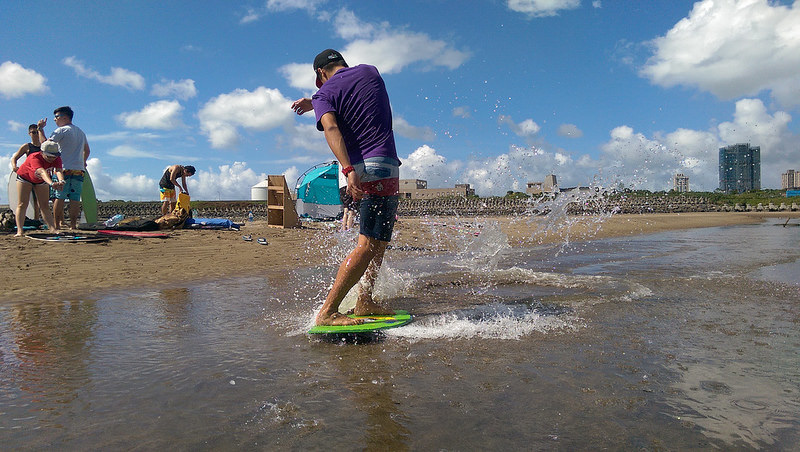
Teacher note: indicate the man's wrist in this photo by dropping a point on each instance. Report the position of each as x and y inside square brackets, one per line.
[347, 170]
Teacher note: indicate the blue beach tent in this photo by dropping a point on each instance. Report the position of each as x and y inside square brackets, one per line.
[318, 192]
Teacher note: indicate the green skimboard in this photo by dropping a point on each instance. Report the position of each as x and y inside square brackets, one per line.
[88, 199]
[372, 323]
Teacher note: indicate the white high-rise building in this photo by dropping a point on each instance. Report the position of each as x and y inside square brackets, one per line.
[680, 183]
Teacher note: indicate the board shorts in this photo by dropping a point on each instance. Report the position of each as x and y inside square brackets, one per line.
[73, 186]
[377, 216]
[168, 194]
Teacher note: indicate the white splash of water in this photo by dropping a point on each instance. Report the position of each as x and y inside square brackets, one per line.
[501, 324]
[482, 252]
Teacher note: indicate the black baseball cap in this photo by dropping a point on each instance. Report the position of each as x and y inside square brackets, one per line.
[324, 58]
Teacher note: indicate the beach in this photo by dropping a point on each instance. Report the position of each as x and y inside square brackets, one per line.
[36, 270]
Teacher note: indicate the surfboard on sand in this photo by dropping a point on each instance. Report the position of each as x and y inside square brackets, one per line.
[67, 238]
[139, 234]
[371, 324]
[13, 197]
[88, 199]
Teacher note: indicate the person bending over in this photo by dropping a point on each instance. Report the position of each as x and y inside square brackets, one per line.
[168, 183]
[33, 175]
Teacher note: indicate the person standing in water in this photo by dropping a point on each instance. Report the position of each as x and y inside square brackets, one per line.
[352, 109]
[168, 183]
[74, 153]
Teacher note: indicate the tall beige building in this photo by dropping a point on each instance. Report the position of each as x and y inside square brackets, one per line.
[790, 180]
[680, 183]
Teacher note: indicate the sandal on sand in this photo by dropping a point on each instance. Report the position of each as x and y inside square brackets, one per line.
[247, 238]
[262, 241]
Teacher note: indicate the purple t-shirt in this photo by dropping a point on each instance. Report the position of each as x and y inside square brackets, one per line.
[357, 95]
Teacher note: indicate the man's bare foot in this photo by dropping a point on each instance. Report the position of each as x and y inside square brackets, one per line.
[336, 319]
[369, 307]
[19, 235]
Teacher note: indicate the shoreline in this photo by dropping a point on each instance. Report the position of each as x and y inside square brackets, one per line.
[37, 270]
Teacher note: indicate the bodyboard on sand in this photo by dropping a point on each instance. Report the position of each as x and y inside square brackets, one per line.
[88, 199]
[13, 197]
[372, 323]
[139, 234]
[67, 238]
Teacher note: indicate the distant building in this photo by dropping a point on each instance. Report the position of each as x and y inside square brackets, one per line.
[534, 188]
[739, 168]
[680, 183]
[549, 185]
[418, 189]
[790, 180]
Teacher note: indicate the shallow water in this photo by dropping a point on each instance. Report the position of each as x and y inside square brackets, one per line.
[680, 340]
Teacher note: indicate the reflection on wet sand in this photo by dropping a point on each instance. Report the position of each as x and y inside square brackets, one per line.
[51, 356]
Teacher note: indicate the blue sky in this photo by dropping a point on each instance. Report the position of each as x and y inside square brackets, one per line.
[492, 93]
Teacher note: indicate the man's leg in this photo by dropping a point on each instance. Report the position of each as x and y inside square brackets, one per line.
[365, 305]
[350, 271]
[74, 213]
[58, 212]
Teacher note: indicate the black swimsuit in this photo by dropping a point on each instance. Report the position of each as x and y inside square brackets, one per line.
[166, 181]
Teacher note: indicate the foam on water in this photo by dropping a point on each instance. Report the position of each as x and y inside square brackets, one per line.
[473, 294]
[492, 321]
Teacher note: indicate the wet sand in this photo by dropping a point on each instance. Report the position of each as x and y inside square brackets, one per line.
[35, 270]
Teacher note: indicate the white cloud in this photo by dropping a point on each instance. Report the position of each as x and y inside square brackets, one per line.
[300, 76]
[123, 135]
[161, 115]
[17, 81]
[424, 163]
[637, 161]
[526, 128]
[129, 151]
[182, 89]
[254, 14]
[390, 52]
[15, 126]
[260, 109]
[403, 128]
[542, 8]
[496, 175]
[377, 44]
[125, 186]
[226, 182]
[732, 48]
[291, 174]
[348, 26]
[569, 131]
[306, 136]
[597, 4]
[753, 124]
[118, 76]
[629, 157]
[650, 163]
[462, 112]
